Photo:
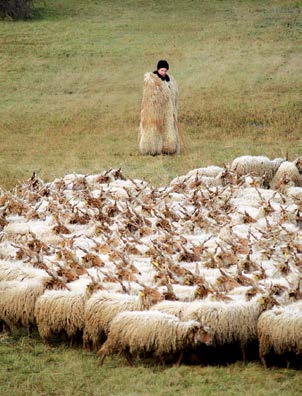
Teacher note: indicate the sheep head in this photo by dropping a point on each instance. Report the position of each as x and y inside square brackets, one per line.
[92, 287]
[169, 294]
[268, 302]
[202, 335]
[54, 282]
[201, 291]
[149, 296]
[298, 163]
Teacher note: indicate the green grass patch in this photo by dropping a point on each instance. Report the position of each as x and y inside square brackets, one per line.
[28, 367]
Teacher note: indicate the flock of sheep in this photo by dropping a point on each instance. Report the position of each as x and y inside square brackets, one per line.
[211, 260]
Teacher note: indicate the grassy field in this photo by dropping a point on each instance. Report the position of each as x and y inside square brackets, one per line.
[71, 84]
[71, 87]
[28, 368]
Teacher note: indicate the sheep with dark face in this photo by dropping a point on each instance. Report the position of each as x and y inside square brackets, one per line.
[103, 306]
[140, 332]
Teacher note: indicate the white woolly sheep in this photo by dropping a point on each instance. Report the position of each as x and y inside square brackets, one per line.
[289, 173]
[232, 322]
[209, 172]
[152, 331]
[256, 166]
[14, 271]
[280, 330]
[295, 193]
[60, 310]
[17, 303]
[103, 306]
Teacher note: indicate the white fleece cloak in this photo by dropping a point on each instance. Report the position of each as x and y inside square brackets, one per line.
[158, 132]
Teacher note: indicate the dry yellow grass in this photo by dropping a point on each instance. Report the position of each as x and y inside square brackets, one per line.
[72, 84]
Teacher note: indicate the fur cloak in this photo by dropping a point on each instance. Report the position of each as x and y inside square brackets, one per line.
[157, 132]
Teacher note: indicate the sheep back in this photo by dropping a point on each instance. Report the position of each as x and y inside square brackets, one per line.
[150, 331]
[229, 322]
[280, 329]
[17, 302]
[60, 310]
[288, 172]
[100, 309]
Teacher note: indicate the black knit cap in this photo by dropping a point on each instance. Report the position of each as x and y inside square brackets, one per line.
[162, 64]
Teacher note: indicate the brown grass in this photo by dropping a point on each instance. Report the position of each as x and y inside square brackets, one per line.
[72, 86]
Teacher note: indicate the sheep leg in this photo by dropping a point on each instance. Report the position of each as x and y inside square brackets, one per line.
[102, 356]
[263, 361]
[129, 358]
[243, 354]
[95, 343]
[7, 328]
[30, 329]
[161, 361]
[46, 340]
[4, 327]
[177, 364]
[87, 345]
[102, 353]
[71, 342]
[263, 350]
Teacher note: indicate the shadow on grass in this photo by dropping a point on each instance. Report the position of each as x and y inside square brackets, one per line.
[223, 356]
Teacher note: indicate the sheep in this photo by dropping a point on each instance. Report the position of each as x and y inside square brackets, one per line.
[59, 311]
[175, 308]
[17, 303]
[10, 271]
[102, 307]
[139, 332]
[256, 166]
[209, 176]
[280, 330]
[289, 174]
[295, 193]
[230, 322]
[210, 171]
[157, 130]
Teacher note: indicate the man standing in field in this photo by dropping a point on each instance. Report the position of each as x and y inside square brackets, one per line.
[157, 132]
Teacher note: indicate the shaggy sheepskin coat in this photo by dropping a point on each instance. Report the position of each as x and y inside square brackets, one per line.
[157, 132]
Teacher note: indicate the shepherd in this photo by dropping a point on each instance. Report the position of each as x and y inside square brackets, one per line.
[158, 132]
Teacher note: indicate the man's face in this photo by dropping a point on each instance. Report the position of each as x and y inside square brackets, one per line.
[162, 71]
